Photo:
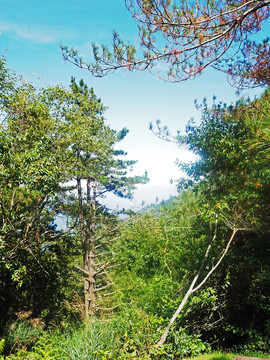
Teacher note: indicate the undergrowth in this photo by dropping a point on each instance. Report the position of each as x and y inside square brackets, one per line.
[123, 338]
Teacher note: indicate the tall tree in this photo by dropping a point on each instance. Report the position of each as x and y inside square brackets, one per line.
[97, 168]
[48, 138]
[232, 143]
[30, 171]
[187, 37]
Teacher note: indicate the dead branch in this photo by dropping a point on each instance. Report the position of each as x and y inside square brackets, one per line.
[192, 287]
[104, 287]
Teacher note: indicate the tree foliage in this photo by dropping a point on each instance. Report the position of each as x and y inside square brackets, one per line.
[49, 138]
[223, 209]
[34, 253]
[232, 145]
[180, 39]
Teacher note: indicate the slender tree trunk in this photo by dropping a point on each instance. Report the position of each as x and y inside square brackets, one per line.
[90, 241]
[193, 286]
[83, 245]
[87, 230]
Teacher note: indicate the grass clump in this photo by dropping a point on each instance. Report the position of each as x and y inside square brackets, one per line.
[217, 355]
[86, 341]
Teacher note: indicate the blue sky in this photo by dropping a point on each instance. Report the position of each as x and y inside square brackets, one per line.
[31, 32]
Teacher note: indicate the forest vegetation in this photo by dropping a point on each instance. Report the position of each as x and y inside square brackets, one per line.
[115, 282]
[188, 277]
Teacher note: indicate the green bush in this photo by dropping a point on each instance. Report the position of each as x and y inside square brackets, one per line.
[43, 350]
[20, 336]
[187, 345]
[2, 345]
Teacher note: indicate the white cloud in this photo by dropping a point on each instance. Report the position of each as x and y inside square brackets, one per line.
[33, 33]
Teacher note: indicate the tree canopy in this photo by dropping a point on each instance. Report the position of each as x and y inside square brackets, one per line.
[222, 212]
[207, 248]
[180, 39]
[49, 138]
[232, 145]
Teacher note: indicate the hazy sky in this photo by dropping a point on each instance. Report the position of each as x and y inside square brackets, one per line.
[31, 31]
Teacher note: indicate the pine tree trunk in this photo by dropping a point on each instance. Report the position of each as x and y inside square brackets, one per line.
[87, 229]
[90, 244]
[83, 244]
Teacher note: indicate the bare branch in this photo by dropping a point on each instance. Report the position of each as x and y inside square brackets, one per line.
[109, 309]
[104, 287]
[86, 273]
[192, 287]
[109, 267]
[218, 262]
